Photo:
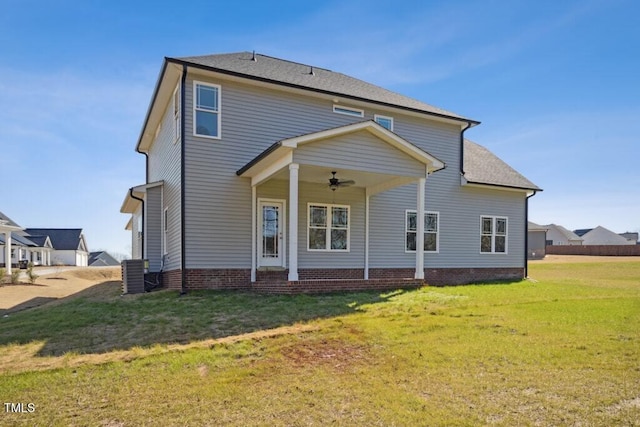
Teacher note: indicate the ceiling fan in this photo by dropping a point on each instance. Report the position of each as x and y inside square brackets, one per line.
[335, 183]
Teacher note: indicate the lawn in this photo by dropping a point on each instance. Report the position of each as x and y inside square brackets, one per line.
[561, 350]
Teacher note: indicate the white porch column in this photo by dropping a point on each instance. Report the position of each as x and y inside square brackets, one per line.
[420, 229]
[366, 235]
[293, 221]
[254, 231]
[7, 251]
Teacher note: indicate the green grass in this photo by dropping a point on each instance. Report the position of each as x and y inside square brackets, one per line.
[563, 350]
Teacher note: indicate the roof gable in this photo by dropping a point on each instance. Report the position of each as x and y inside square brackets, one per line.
[284, 149]
[568, 234]
[61, 238]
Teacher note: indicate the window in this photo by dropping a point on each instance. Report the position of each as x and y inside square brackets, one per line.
[431, 225]
[206, 110]
[328, 227]
[384, 121]
[348, 111]
[165, 227]
[176, 114]
[493, 234]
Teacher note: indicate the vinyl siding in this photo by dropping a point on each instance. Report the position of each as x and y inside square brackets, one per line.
[359, 151]
[218, 203]
[153, 225]
[164, 165]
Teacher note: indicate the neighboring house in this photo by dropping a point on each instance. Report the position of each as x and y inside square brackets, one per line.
[536, 241]
[557, 235]
[603, 236]
[631, 237]
[241, 193]
[102, 259]
[22, 247]
[69, 245]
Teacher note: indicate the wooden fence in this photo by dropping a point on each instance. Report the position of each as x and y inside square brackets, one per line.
[595, 250]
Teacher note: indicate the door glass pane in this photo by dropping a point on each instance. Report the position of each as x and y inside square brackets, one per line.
[270, 231]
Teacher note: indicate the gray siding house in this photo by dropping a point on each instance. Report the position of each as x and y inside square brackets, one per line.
[272, 175]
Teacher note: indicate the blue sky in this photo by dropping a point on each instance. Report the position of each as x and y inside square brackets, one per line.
[555, 84]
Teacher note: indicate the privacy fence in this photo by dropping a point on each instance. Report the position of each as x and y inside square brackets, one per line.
[599, 250]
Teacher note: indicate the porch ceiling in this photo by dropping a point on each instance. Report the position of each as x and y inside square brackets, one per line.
[321, 175]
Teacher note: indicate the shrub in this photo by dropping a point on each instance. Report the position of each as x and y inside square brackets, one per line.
[3, 273]
[31, 275]
[15, 276]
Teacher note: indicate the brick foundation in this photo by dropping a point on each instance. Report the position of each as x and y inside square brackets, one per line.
[463, 276]
[332, 280]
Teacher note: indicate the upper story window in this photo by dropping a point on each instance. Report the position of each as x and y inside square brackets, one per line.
[384, 121]
[493, 234]
[177, 120]
[206, 110]
[355, 112]
[431, 226]
[328, 228]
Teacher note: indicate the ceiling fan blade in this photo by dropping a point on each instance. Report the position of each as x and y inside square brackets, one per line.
[347, 182]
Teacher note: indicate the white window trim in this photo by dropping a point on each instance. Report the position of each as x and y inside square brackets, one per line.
[195, 109]
[328, 227]
[348, 111]
[493, 235]
[177, 120]
[380, 116]
[406, 230]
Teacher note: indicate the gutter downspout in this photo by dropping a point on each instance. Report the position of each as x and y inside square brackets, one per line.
[143, 220]
[183, 256]
[526, 234]
[469, 124]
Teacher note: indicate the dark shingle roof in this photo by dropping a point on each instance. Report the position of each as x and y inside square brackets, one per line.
[62, 239]
[582, 231]
[266, 68]
[481, 166]
[101, 259]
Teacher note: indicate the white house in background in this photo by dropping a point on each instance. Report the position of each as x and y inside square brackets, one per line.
[69, 245]
[603, 236]
[557, 235]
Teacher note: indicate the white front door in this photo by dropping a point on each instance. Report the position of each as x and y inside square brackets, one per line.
[271, 233]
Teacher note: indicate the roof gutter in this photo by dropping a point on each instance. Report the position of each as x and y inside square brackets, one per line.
[326, 92]
[526, 233]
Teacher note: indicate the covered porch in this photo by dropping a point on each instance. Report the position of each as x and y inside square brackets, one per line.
[308, 226]
[6, 231]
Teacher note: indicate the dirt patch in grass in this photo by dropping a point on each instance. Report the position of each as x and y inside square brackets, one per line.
[336, 353]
